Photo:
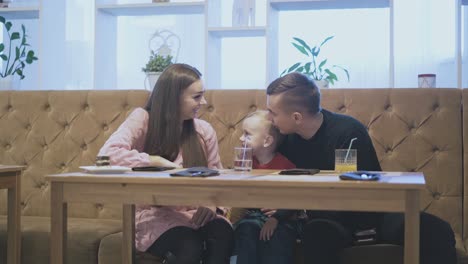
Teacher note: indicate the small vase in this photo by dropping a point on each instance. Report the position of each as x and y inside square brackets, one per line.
[9, 83]
[322, 84]
[152, 78]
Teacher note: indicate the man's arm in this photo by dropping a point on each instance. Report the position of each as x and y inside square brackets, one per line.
[366, 157]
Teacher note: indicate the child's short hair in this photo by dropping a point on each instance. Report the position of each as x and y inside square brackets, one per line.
[273, 131]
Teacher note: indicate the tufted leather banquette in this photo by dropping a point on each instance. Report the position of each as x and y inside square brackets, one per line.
[58, 131]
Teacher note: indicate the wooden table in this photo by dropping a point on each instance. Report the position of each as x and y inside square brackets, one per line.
[10, 178]
[395, 192]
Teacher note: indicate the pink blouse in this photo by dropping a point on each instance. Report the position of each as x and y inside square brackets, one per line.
[125, 146]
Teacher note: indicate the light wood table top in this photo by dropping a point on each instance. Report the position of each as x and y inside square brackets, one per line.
[394, 192]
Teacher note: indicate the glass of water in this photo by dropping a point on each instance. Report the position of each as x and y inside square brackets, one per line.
[242, 159]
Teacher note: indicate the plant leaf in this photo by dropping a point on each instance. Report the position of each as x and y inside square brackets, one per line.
[4, 57]
[314, 51]
[8, 25]
[307, 68]
[300, 69]
[301, 49]
[292, 68]
[303, 43]
[345, 70]
[17, 53]
[2, 20]
[325, 41]
[331, 75]
[15, 35]
[322, 63]
[2, 47]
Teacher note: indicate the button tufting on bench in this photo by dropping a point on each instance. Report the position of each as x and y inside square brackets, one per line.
[210, 108]
[436, 196]
[9, 108]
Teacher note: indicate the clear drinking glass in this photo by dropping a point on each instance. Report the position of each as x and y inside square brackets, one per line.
[345, 161]
[242, 159]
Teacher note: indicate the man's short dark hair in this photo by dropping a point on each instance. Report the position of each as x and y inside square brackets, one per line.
[300, 93]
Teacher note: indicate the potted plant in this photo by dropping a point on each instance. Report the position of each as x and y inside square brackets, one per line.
[155, 66]
[15, 55]
[317, 70]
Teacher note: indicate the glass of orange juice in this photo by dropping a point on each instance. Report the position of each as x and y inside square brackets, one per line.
[345, 161]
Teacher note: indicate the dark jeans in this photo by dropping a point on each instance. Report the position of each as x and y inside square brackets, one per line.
[211, 244]
[324, 238]
[251, 250]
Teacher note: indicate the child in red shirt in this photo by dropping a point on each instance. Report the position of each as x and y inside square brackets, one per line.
[260, 134]
[264, 235]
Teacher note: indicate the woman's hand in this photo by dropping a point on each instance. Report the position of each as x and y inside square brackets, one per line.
[203, 215]
[268, 229]
[160, 161]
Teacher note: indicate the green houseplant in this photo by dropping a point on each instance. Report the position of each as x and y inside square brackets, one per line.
[155, 66]
[17, 54]
[313, 67]
[157, 63]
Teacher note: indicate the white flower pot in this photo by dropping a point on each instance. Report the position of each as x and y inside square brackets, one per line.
[322, 84]
[9, 83]
[152, 78]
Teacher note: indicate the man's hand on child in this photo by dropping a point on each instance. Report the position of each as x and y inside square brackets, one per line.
[268, 211]
[203, 215]
[268, 229]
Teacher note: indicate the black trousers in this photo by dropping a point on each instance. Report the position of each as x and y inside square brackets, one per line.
[326, 234]
[211, 244]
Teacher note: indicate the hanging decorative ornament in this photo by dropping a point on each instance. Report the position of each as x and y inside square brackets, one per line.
[164, 48]
[165, 43]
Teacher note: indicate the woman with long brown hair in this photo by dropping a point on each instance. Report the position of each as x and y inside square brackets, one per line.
[167, 133]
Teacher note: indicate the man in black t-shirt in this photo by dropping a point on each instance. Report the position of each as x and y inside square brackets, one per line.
[313, 134]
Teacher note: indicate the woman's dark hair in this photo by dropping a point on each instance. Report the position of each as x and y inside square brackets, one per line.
[167, 133]
[300, 93]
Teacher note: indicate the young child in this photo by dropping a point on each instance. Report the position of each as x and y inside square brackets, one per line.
[263, 235]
